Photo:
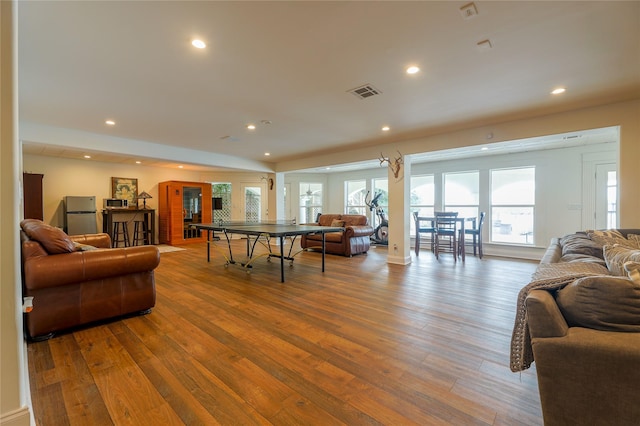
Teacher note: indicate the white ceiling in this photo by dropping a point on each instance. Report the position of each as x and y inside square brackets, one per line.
[293, 63]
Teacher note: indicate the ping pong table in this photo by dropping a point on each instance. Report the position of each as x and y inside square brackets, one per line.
[263, 232]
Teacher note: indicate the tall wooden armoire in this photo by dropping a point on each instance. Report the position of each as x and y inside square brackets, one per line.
[180, 205]
[33, 196]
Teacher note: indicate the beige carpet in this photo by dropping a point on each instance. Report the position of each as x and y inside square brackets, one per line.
[164, 248]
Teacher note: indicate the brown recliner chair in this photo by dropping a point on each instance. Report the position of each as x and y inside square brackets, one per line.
[80, 279]
[355, 238]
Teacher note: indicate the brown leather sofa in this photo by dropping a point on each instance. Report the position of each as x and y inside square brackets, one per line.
[80, 279]
[353, 240]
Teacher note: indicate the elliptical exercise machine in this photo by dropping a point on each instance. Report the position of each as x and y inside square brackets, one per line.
[381, 233]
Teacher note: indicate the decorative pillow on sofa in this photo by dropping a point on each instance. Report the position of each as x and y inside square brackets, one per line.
[634, 239]
[83, 247]
[611, 237]
[337, 223]
[617, 255]
[601, 303]
[54, 240]
[633, 271]
[580, 243]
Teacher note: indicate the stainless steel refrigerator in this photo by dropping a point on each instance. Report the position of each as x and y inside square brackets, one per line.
[80, 215]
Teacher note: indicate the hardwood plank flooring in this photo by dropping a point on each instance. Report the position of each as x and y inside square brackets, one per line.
[365, 343]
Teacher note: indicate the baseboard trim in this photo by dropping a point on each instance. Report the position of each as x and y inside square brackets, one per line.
[19, 417]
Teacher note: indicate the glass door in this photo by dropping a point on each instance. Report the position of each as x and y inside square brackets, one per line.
[192, 210]
[254, 207]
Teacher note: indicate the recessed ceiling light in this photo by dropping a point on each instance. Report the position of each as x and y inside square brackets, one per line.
[110, 123]
[87, 156]
[267, 154]
[138, 162]
[558, 91]
[198, 43]
[181, 167]
[386, 128]
[484, 148]
[251, 126]
[413, 70]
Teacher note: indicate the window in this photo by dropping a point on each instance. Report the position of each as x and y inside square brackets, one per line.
[356, 191]
[310, 201]
[512, 205]
[422, 198]
[461, 193]
[380, 186]
[222, 190]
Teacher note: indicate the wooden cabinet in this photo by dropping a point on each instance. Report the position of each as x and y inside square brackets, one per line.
[32, 195]
[180, 205]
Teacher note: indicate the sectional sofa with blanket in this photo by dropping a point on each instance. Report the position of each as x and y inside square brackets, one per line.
[579, 320]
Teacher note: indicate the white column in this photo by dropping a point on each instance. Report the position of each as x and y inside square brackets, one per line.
[399, 214]
[279, 190]
[14, 390]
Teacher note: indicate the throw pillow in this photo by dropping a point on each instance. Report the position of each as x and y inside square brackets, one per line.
[601, 303]
[337, 223]
[580, 243]
[610, 237]
[83, 247]
[54, 240]
[633, 271]
[634, 239]
[615, 256]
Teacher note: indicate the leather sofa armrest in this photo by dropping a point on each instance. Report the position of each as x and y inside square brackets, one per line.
[62, 269]
[358, 230]
[101, 240]
[544, 316]
[553, 252]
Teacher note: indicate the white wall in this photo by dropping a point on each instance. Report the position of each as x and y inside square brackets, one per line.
[14, 382]
[626, 115]
[561, 205]
[81, 177]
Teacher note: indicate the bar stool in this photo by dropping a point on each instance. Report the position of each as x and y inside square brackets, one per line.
[120, 233]
[141, 233]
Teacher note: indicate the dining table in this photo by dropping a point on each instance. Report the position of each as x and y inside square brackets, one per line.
[461, 221]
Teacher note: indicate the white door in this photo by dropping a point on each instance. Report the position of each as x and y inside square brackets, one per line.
[287, 201]
[255, 205]
[606, 196]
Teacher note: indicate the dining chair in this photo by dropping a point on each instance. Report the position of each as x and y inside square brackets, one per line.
[476, 234]
[423, 225]
[446, 238]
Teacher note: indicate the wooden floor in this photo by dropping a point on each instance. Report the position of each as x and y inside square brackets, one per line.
[364, 343]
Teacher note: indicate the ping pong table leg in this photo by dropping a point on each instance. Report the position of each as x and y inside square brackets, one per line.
[208, 245]
[281, 259]
[323, 244]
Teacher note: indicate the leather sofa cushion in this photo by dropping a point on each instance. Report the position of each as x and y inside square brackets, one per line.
[602, 303]
[54, 240]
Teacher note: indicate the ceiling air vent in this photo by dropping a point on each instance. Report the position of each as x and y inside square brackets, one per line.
[364, 92]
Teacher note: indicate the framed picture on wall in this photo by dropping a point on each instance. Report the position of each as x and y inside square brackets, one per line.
[125, 189]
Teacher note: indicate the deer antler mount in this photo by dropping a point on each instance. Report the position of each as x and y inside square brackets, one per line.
[394, 164]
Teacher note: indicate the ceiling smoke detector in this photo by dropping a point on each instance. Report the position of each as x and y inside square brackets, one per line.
[364, 92]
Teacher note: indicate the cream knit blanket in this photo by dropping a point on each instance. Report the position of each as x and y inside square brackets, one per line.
[548, 276]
